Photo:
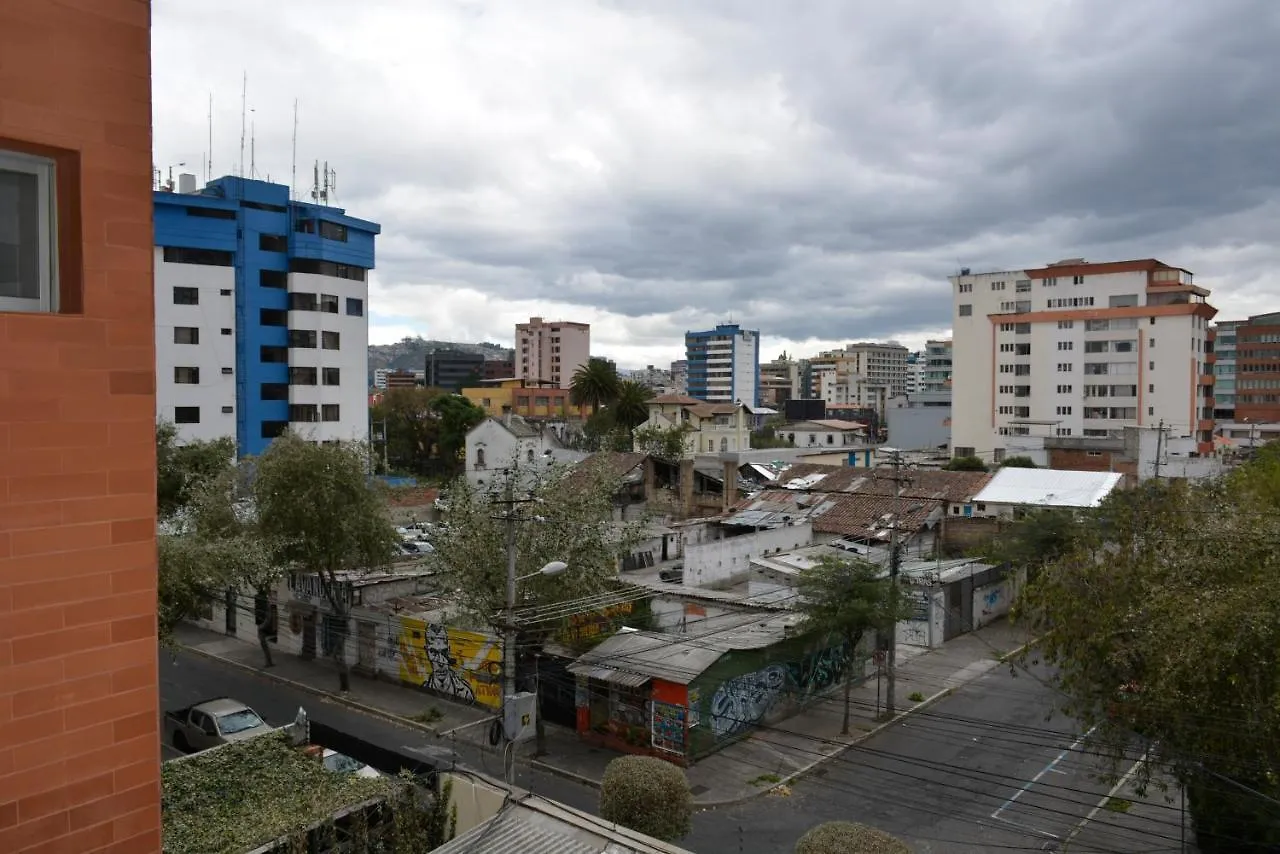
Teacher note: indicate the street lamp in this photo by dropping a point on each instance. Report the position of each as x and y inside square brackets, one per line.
[555, 567]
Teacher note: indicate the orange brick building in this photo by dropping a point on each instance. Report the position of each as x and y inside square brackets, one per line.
[79, 746]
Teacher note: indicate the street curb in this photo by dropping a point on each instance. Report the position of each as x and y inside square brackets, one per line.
[364, 708]
[569, 775]
[1012, 654]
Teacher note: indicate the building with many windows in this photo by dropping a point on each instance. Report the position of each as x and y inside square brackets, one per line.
[1257, 368]
[1079, 349]
[723, 365]
[453, 369]
[1224, 368]
[551, 351]
[261, 321]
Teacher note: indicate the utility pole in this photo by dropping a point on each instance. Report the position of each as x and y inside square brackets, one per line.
[895, 564]
[1159, 449]
[509, 630]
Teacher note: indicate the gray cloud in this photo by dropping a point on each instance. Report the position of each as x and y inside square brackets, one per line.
[815, 168]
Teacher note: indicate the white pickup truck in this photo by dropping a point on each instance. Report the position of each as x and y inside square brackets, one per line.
[213, 722]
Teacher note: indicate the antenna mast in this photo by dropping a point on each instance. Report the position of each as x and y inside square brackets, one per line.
[293, 163]
[244, 94]
[253, 148]
[208, 172]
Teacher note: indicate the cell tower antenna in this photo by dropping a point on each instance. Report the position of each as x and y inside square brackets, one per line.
[315, 182]
[253, 147]
[244, 94]
[293, 163]
[208, 169]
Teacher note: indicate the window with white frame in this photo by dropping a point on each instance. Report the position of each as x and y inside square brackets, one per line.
[28, 238]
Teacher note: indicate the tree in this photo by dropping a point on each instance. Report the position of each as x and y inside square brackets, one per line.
[183, 469]
[1162, 620]
[630, 404]
[1019, 463]
[965, 464]
[767, 436]
[1040, 537]
[848, 598]
[594, 384]
[601, 432]
[563, 515]
[647, 795]
[413, 427]
[846, 837]
[670, 444]
[318, 504]
[457, 416]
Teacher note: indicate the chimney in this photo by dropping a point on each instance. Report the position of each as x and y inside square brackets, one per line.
[186, 183]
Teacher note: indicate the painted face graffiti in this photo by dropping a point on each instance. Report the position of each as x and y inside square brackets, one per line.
[443, 677]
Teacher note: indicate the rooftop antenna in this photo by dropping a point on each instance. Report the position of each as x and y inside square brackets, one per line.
[253, 145]
[315, 182]
[244, 93]
[208, 171]
[293, 163]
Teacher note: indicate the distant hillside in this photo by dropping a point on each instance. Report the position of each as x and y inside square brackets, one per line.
[411, 353]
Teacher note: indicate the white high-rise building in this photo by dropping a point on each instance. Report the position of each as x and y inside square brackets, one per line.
[1076, 349]
[261, 314]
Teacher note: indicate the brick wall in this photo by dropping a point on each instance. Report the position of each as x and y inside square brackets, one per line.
[79, 747]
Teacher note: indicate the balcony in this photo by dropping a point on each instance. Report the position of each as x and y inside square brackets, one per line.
[1206, 379]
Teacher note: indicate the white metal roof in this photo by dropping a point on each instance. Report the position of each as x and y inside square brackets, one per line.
[1048, 487]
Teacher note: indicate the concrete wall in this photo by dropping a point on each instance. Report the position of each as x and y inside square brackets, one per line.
[723, 562]
[914, 428]
[476, 800]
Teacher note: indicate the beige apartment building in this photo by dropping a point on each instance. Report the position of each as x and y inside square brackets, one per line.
[551, 351]
[1078, 349]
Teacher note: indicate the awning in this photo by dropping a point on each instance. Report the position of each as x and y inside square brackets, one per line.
[622, 678]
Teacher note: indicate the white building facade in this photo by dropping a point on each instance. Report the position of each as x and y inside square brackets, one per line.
[1078, 349]
[195, 347]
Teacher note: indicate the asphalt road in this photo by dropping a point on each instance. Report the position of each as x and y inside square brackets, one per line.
[986, 769]
[187, 679]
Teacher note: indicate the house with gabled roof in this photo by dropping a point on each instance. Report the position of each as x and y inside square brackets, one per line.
[511, 442]
[714, 428]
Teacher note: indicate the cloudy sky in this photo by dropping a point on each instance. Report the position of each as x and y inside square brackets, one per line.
[810, 168]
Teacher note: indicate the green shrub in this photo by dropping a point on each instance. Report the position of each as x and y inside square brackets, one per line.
[648, 795]
[845, 837]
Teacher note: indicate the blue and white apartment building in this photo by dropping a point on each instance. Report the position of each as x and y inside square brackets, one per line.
[724, 365]
[261, 314]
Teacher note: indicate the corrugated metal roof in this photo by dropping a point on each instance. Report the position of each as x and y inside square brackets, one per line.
[651, 655]
[623, 678]
[511, 832]
[1048, 487]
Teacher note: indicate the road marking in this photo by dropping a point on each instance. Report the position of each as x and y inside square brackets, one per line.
[1045, 770]
[1128, 775]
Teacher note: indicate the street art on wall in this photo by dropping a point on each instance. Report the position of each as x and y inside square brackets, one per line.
[668, 727]
[459, 664]
[740, 703]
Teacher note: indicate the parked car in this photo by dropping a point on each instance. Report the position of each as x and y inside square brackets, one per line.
[673, 574]
[213, 722]
[341, 763]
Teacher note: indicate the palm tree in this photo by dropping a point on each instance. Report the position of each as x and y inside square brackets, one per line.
[594, 384]
[631, 404]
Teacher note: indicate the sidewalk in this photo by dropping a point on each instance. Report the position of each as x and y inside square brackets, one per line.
[773, 757]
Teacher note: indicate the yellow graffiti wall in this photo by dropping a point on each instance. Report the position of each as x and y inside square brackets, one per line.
[464, 665]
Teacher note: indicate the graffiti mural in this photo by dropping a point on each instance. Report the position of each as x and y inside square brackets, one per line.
[455, 663]
[742, 702]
